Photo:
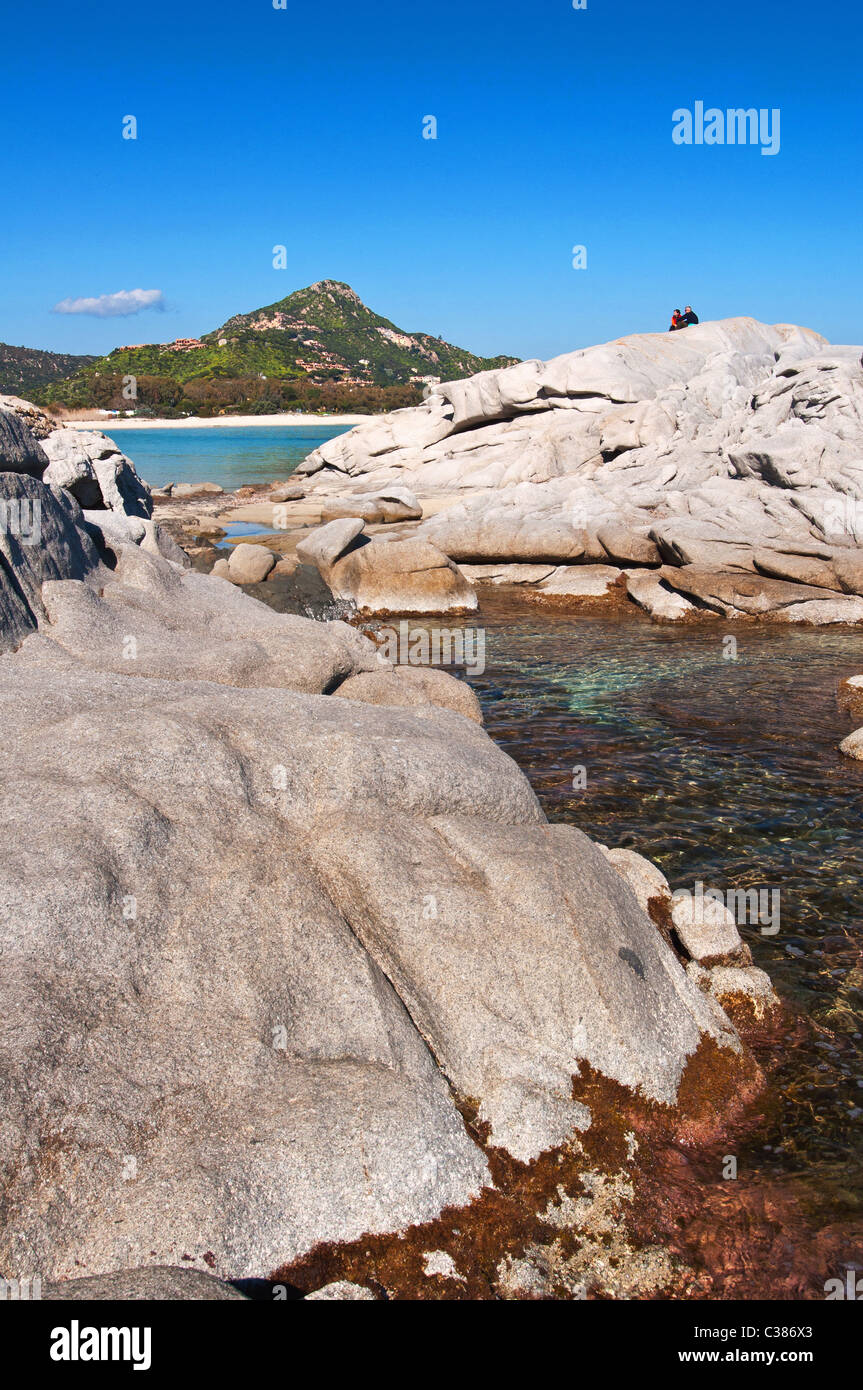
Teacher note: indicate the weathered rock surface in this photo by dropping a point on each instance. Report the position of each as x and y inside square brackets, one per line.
[20, 451]
[709, 448]
[577, 582]
[157, 541]
[326, 544]
[157, 620]
[85, 463]
[256, 941]
[503, 529]
[626, 547]
[42, 537]
[798, 569]
[186, 490]
[656, 598]
[742, 991]
[848, 568]
[647, 882]
[703, 933]
[272, 1090]
[735, 593]
[706, 928]
[287, 492]
[852, 746]
[39, 424]
[90, 466]
[504, 894]
[112, 529]
[342, 1289]
[249, 564]
[411, 686]
[825, 611]
[409, 576]
[375, 508]
[164, 1283]
[506, 574]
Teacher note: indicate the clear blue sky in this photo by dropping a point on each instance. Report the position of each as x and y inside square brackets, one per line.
[303, 127]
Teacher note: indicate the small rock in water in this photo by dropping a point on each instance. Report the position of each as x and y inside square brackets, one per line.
[250, 564]
[706, 928]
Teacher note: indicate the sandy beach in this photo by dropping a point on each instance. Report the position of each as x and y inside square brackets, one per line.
[189, 422]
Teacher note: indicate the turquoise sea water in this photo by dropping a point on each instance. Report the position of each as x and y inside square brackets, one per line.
[724, 771]
[229, 455]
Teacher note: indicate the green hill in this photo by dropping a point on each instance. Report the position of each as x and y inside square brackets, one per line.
[24, 369]
[319, 348]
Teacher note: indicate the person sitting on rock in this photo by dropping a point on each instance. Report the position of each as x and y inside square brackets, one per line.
[689, 316]
[676, 321]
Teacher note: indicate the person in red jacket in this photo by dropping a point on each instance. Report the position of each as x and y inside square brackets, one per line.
[676, 321]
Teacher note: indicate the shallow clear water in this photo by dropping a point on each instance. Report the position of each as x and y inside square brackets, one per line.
[245, 528]
[725, 771]
[229, 455]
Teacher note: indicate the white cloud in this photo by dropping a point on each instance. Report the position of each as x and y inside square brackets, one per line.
[113, 306]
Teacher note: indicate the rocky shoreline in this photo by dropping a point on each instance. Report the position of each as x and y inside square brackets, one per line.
[294, 962]
[715, 473]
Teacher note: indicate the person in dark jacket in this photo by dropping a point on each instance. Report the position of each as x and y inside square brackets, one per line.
[688, 317]
[676, 321]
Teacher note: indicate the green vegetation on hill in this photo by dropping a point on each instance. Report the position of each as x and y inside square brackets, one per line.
[318, 349]
[22, 369]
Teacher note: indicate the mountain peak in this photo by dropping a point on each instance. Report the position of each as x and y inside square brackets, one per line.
[318, 344]
[328, 333]
[339, 287]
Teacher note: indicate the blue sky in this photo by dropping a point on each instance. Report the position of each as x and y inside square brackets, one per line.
[303, 127]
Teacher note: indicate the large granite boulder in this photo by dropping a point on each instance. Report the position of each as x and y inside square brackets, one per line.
[326, 544]
[90, 466]
[250, 564]
[20, 450]
[39, 424]
[510, 528]
[158, 620]
[42, 537]
[260, 944]
[409, 576]
[732, 593]
[578, 584]
[86, 463]
[734, 446]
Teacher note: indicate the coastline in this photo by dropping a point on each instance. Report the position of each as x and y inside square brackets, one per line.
[109, 424]
[204, 614]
